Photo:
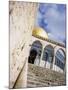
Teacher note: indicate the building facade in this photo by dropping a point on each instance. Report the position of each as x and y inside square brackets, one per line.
[45, 52]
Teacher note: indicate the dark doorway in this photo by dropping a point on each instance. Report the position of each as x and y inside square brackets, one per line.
[35, 53]
[32, 56]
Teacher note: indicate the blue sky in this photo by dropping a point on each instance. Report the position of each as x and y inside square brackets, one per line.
[51, 17]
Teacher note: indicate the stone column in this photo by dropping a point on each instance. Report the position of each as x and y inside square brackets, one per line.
[65, 65]
[53, 60]
[41, 56]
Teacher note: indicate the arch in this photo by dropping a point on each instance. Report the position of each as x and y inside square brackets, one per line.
[59, 48]
[35, 52]
[62, 51]
[48, 54]
[60, 58]
[48, 51]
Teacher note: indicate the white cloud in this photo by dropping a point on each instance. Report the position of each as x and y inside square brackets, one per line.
[56, 23]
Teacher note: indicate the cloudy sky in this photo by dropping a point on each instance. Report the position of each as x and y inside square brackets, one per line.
[51, 17]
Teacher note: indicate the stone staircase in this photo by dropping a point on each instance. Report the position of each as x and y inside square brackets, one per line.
[42, 77]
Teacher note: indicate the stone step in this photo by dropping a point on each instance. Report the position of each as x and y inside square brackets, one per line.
[43, 80]
[41, 73]
[36, 83]
[31, 85]
[41, 84]
[44, 72]
[42, 77]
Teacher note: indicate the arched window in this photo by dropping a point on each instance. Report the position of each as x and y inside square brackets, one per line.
[60, 58]
[35, 52]
[48, 53]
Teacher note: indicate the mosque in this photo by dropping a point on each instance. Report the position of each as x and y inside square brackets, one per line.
[45, 52]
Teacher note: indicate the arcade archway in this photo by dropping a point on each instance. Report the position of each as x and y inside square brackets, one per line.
[35, 53]
[60, 58]
[48, 55]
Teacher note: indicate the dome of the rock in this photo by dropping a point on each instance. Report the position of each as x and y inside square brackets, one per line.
[39, 32]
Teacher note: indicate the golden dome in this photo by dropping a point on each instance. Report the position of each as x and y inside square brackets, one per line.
[39, 32]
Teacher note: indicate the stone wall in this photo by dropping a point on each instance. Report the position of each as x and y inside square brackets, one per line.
[21, 20]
